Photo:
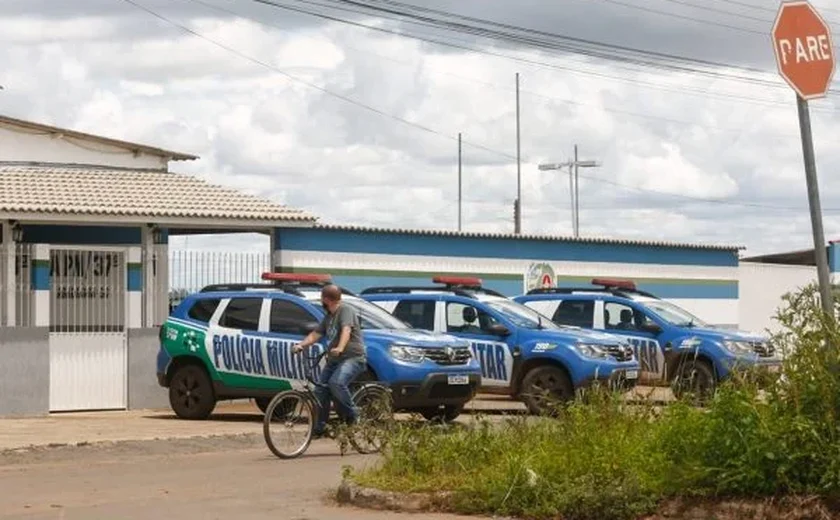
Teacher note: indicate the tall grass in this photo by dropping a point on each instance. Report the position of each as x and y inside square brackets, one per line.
[605, 459]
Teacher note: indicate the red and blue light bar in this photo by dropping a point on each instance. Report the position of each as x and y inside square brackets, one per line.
[463, 281]
[297, 277]
[614, 283]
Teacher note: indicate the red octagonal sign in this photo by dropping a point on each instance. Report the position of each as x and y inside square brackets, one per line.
[803, 47]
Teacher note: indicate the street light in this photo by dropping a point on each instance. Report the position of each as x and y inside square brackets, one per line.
[573, 184]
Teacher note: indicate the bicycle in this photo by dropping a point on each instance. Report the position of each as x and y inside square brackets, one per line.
[372, 399]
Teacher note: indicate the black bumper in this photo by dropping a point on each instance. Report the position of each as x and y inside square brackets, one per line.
[162, 379]
[617, 380]
[434, 390]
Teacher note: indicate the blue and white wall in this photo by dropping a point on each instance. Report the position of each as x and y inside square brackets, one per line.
[703, 280]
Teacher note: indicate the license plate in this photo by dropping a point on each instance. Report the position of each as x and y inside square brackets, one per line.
[458, 380]
[631, 374]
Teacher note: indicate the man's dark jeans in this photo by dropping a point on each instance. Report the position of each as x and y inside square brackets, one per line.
[336, 377]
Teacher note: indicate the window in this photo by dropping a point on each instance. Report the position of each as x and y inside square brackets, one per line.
[466, 319]
[577, 313]
[203, 309]
[242, 313]
[420, 314]
[622, 317]
[288, 317]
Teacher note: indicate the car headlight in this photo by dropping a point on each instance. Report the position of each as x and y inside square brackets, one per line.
[738, 347]
[591, 351]
[406, 353]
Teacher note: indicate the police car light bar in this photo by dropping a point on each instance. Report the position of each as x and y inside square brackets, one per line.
[297, 277]
[467, 281]
[618, 284]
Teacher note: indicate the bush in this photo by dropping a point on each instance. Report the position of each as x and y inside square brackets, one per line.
[605, 459]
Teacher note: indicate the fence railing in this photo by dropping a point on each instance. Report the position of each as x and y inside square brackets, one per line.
[189, 271]
[21, 281]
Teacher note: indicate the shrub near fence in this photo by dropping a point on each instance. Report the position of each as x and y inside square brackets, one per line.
[604, 459]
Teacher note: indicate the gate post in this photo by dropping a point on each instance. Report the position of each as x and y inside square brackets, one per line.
[8, 275]
[41, 285]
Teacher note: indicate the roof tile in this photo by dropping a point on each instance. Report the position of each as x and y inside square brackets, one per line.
[107, 191]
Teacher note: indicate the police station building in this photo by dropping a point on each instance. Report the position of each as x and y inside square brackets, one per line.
[84, 268]
[85, 263]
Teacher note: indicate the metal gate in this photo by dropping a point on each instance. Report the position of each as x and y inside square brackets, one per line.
[88, 314]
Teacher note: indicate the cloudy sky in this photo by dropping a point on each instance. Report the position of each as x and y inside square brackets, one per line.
[360, 126]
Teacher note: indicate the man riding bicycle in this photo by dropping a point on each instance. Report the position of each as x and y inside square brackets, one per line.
[345, 359]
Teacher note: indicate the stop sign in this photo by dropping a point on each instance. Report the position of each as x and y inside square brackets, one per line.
[803, 47]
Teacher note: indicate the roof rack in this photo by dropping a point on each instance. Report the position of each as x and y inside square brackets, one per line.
[464, 286]
[290, 283]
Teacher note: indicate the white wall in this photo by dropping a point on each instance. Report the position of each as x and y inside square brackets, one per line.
[27, 145]
[760, 291]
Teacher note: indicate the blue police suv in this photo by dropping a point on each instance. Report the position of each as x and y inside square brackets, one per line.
[673, 346]
[522, 353]
[235, 341]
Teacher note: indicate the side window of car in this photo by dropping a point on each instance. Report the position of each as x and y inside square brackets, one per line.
[618, 316]
[577, 313]
[420, 314]
[288, 317]
[466, 319]
[203, 309]
[242, 313]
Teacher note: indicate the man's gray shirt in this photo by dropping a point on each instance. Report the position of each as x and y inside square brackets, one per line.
[331, 327]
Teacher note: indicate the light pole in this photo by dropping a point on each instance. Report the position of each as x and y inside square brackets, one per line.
[573, 191]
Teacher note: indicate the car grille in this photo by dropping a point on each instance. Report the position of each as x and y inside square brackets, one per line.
[763, 348]
[620, 352]
[449, 356]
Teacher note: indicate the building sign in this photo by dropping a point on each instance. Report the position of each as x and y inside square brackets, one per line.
[539, 276]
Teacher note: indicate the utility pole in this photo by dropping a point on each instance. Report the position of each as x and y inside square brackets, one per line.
[577, 198]
[459, 181]
[517, 225]
[573, 166]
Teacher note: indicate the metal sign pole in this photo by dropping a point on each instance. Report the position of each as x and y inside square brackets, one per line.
[814, 205]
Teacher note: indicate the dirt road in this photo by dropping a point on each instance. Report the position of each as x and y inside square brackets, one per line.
[223, 477]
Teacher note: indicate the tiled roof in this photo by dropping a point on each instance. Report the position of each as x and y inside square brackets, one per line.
[154, 195]
[542, 237]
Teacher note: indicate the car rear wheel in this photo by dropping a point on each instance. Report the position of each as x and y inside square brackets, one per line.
[191, 393]
[544, 388]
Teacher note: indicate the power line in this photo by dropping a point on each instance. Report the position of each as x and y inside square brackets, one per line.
[425, 128]
[541, 64]
[528, 36]
[644, 58]
[508, 89]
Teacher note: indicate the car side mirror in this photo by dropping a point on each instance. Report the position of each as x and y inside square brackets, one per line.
[497, 329]
[308, 326]
[652, 327]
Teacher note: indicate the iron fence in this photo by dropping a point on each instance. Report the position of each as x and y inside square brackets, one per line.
[21, 284]
[189, 271]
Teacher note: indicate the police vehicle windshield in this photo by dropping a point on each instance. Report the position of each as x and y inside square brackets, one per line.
[372, 316]
[674, 315]
[521, 316]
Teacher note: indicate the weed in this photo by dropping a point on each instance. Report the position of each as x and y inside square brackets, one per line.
[600, 458]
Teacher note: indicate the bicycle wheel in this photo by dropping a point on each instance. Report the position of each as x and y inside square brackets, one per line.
[375, 417]
[289, 416]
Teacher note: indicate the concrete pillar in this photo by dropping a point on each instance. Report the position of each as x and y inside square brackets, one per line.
[40, 285]
[148, 276]
[134, 287]
[7, 277]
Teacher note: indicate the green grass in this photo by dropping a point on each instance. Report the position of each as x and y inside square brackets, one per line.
[603, 459]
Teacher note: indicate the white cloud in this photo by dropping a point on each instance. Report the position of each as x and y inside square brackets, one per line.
[654, 132]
